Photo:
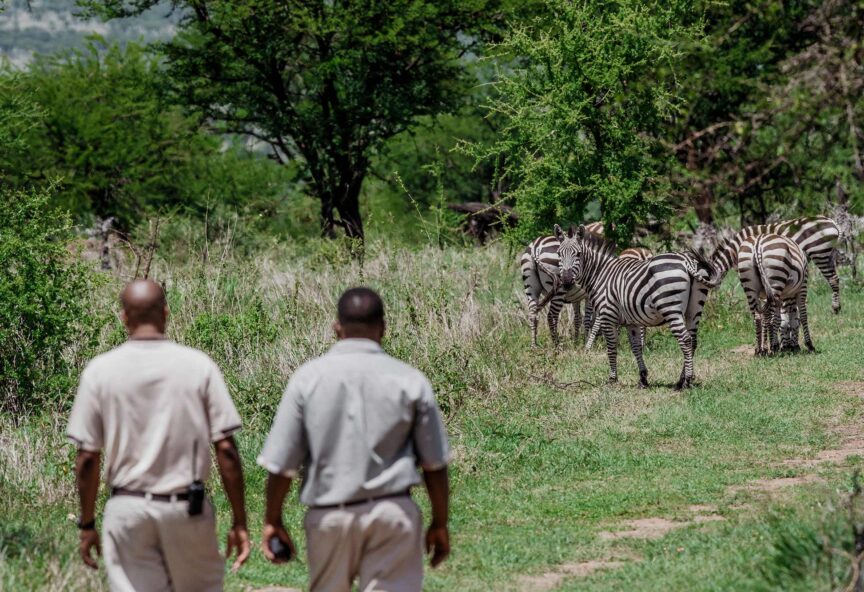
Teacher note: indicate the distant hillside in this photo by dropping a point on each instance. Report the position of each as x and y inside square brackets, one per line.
[49, 26]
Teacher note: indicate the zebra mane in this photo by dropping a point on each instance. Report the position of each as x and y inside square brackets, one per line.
[599, 244]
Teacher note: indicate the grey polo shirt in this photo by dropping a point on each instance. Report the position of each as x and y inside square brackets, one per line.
[359, 422]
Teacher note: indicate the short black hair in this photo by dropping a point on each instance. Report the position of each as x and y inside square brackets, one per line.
[360, 306]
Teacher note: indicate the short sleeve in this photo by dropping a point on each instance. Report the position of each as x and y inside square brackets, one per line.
[85, 427]
[221, 413]
[287, 446]
[430, 437]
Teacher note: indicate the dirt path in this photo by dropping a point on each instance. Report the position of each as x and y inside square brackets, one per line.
[652, 528]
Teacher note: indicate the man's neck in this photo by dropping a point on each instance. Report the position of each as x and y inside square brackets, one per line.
[146, 333]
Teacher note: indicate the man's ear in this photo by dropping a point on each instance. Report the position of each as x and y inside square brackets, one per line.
[337, 329]
[559, 234]
[580, 232]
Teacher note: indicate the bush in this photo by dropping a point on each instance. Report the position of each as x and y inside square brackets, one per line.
[43, 296]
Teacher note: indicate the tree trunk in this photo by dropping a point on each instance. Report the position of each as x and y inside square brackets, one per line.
[703, 199]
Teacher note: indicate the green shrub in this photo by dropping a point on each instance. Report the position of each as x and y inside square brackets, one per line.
[43, 297]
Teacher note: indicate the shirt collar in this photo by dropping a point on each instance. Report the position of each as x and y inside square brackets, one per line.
[355, 345]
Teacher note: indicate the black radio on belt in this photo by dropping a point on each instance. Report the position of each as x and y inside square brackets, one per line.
[196, 498]
[196, 490]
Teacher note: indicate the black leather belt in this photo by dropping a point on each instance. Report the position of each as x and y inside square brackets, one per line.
[156, 497]
[367, 500]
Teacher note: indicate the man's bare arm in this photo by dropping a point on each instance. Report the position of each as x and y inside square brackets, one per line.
[278, 487]
[438, 536]
[87, 480]
[231, 470]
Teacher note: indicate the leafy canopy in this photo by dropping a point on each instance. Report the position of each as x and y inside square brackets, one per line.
[582, 95]
[324, 83]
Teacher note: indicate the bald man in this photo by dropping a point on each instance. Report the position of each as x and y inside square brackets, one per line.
[359, 422]
[154, 407]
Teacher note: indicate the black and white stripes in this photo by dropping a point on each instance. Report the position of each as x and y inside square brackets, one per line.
[539, 265]
[774, 267]
[816, 235]
[666, 289]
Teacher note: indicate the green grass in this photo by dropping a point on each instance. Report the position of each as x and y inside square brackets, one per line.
[540, 468]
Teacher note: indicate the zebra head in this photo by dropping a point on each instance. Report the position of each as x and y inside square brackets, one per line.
[570, 249]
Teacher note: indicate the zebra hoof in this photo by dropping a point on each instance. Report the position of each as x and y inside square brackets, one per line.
[811, 349]
[836, 310]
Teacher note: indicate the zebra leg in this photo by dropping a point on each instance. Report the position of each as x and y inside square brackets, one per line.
[610, 332]
[552, 318]
[760, 332]
[635, 335]
[828, 267]
[577, 320]
[772, 318]
[588, 319]
[790, 320]
[592, 336]
[532, 319]
[679, 330]
[802, 313]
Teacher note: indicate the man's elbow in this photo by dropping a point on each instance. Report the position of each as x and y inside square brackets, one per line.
[227, 454]
[87, 462]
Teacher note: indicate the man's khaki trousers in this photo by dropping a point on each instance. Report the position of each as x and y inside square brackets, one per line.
[378, 542]
[152, 546]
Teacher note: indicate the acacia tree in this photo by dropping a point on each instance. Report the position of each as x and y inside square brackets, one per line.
[321, 82]
[582, 96]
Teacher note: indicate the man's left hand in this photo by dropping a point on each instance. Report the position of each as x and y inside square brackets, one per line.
[88, 540]
[238, 539]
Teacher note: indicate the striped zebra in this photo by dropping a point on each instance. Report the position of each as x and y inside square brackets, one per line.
[539, 264]
[817, 236]
[666, 289]
[775, 267]
[638, 253]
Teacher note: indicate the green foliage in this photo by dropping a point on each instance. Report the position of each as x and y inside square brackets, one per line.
[44, 295]
[118, 150]
[323, 83]
[226, 336]
[581, 97]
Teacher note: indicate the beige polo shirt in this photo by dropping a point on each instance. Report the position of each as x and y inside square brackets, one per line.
[359, 422]
[147, 404]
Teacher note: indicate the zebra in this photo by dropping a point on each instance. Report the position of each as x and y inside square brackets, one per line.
[665, 289]
[816, 235]
[539, 265]
[775, 267]
[640, 254]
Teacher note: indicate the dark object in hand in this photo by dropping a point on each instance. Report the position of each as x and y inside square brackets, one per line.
[279, 549]
[196, 498]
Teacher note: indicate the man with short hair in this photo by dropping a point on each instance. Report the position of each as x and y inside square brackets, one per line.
[359, 422]
[154, 407]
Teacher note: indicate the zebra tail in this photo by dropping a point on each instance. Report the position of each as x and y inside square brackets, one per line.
[701, 269]
[763, 277]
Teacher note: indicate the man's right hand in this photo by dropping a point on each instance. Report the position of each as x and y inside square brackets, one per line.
[89, 539]
[278, 531]
[437, 544]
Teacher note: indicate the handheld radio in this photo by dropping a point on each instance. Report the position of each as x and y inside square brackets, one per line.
[196, 490]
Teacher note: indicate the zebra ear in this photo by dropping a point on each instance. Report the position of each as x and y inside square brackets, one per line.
[580, 232]
[559, 234]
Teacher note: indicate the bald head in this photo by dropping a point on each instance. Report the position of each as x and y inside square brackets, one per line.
[360, 314]
[144, 305]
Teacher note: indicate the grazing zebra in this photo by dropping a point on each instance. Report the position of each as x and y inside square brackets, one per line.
[817, 236]
[665, 289]
[539, 264]
[775, 267]
[638, 253]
